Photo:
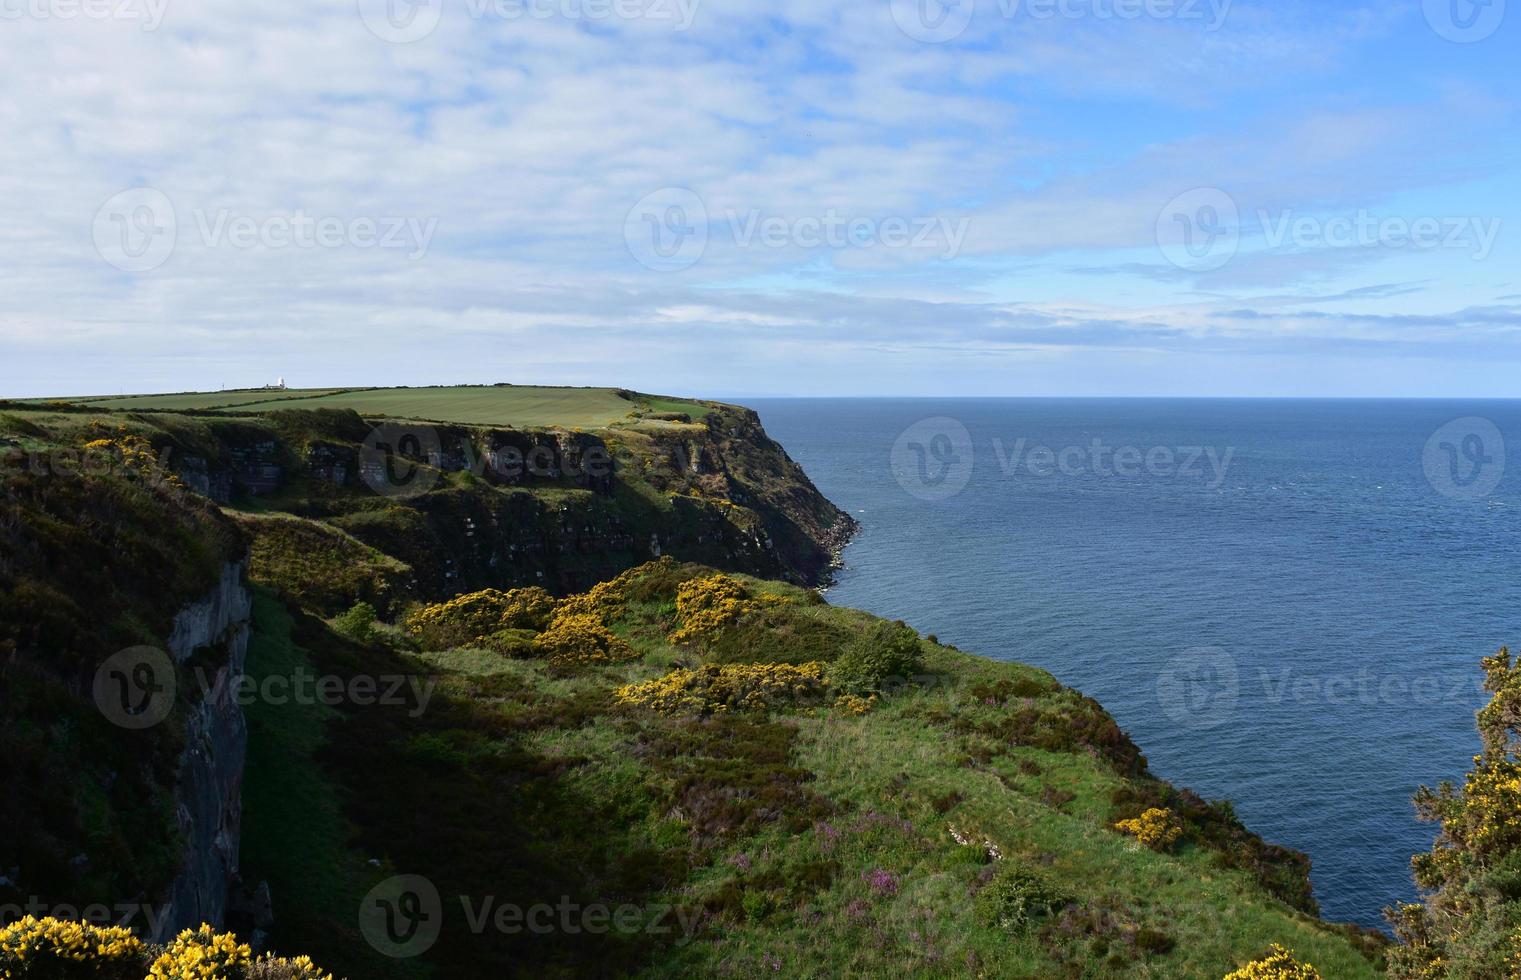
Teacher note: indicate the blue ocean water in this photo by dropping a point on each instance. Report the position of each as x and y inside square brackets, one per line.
[1293, 623]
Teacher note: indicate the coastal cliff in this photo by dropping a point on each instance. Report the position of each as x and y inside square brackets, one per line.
[618, 690]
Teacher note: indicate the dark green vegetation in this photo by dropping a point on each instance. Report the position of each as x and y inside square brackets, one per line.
[1470, 925]
[89, 566]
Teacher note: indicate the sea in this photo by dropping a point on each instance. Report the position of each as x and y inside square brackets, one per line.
[1284, 602]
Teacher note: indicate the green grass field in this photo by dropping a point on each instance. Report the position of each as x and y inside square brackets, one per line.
[506, 405]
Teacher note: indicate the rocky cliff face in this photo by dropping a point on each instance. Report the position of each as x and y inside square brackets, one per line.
[467, 508]
[213, 630]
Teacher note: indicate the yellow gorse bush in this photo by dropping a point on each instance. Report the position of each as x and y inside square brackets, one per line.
[707, 606]
[49, 949]
[474, 617]
[1158, 829]
[605, 600]
[580, 638]
[202, 954]
[1279, 964]
[33, 947]
[732, 687]
[854, 704]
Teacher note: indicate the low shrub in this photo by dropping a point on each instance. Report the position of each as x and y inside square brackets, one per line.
[1278, 964]
[707, 606]
[59, 949]
[781, 633]
[358, 623]
[854, 704]
[889, 651]
[56, 949]
[269, 967]
[1015, 897]
[202, 954]
[734, 687]
[1158, 829]
[468, 620]
[580, 638]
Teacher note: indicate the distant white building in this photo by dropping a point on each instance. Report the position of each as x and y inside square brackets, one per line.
[279, 385]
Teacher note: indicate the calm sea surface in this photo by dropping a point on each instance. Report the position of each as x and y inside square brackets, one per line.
[1284, 602]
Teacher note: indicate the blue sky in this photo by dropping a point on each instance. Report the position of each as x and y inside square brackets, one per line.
[880, 197]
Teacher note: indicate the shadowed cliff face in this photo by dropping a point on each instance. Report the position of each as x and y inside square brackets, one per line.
[122, 603]
[450, 508]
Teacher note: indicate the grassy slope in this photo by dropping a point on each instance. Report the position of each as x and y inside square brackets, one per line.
[294, 834]
[523, 406]
[534, 785]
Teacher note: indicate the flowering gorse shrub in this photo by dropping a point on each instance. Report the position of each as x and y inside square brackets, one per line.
[1467, 924]
[1279, 964]
[57, 949]
[605, 600]
[707, 606]
[1158, 829]
[475, 618]
[202, 954]
[580, 638]
[733, 687]
[854, 704]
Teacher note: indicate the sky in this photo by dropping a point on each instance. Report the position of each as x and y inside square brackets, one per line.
[732, 198]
